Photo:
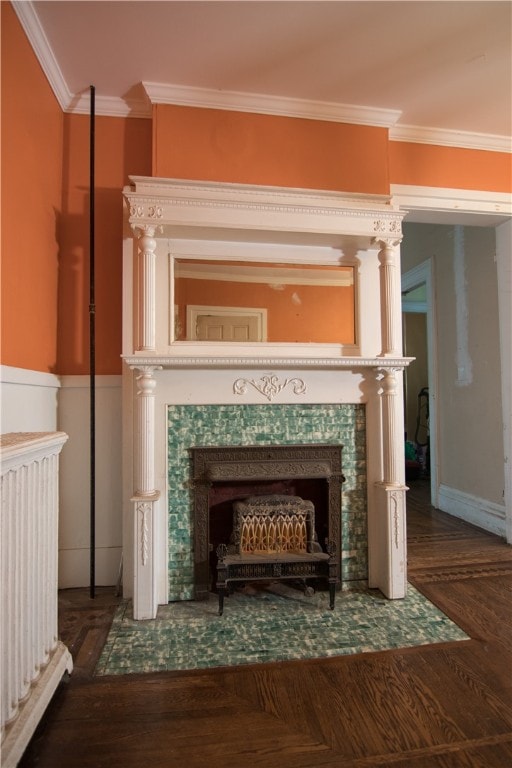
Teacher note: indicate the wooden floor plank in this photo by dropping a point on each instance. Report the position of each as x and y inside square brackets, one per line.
[437, 706]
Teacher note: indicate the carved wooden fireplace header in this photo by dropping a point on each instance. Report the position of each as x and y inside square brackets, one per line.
[259, 464]
[169, 221]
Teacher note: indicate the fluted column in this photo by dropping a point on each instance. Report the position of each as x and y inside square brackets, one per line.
[392, 429]
[147, 283]
[390, 298]
[145, 496]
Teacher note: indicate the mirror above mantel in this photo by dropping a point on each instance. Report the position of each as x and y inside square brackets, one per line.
[235, 302]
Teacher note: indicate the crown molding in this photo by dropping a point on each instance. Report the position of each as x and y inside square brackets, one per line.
[449, 138]
[159, 93]
[29, 20]
[109, 106]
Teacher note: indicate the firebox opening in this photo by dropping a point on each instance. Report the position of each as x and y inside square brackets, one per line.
[223, 474]
[223, 495]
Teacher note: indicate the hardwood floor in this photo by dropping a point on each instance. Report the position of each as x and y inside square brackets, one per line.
[438, 706]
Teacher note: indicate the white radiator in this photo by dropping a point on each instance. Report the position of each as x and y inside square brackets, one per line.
[33, 659]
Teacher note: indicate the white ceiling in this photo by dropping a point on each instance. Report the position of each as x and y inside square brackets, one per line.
[438, 69]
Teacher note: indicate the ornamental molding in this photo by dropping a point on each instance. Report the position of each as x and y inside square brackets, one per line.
[159, 362]
[388, 222]
[395, 496]
[180, 203]
[144, 510]
[268, 470]
[396, 518]
[269, 386]
[155, 189]
[386, 245]
[146, 212]
[154, 208]
[19, 449]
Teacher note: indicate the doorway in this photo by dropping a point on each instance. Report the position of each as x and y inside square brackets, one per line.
[226, 323]
[420, 381]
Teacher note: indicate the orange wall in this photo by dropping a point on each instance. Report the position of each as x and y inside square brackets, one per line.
[432, 166]
[45, 219]
[122, 148]
[45, 167]
[216, 145]
[32, 126]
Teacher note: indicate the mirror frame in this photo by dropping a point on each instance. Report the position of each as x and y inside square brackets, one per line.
[260, 253]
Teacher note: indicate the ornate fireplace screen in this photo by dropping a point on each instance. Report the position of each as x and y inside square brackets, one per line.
[273, 524]
[257, 464]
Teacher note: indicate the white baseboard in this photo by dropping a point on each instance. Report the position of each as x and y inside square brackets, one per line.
[480, 512]
[74, 567]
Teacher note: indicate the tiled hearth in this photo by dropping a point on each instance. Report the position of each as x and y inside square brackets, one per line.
[271, 623]
[222, 425]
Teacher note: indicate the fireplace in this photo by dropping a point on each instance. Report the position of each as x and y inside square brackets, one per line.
[180, 394]
[221, 475]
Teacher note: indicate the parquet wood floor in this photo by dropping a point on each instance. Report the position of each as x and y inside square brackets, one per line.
[437, 706]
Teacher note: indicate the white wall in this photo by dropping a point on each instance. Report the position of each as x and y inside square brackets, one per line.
[504, 268]
[75, 505]
[469, 407]
[40, 402]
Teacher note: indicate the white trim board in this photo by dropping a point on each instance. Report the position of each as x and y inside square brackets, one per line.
[480, 512]
[25, 376]
[74, 566]
[438, 205]
[29, 400]
[266, 104]
[443, 137]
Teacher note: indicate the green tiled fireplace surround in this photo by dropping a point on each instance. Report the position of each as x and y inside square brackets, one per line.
[224, 425]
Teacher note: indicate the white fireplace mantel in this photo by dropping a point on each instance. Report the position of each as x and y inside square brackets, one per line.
[329, 228]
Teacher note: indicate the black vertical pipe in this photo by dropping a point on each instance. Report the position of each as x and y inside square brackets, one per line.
[92, 351]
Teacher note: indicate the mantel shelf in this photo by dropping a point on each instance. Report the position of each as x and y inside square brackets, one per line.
[322, 363]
